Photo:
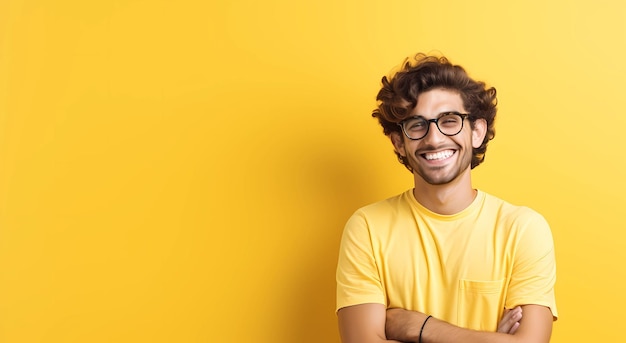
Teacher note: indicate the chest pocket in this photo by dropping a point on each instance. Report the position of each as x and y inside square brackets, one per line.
[480, 304]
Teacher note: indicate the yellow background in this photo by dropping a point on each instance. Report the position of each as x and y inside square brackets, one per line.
[181, 171]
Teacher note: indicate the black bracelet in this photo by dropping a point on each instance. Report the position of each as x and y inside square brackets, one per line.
[422, 329]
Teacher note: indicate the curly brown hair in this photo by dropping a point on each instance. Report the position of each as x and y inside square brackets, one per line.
[399, 93]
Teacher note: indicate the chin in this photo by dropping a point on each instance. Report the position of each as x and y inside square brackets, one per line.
[439, 180]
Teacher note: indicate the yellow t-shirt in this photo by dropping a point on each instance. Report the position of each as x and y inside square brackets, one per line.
[463, 268]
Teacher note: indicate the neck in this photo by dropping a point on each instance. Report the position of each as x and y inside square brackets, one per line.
[446, 199]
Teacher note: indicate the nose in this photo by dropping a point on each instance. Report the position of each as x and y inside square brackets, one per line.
[433, 136]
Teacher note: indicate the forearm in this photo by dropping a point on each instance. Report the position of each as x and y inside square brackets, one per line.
[407, 326]
[414, 324]
[438, 331]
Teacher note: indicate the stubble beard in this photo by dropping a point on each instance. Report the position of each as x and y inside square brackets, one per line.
[429, 175]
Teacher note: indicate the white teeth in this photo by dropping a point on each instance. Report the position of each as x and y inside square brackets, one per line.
[439, 155]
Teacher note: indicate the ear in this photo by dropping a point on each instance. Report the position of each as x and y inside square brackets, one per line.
[398, 143]
[478, 132]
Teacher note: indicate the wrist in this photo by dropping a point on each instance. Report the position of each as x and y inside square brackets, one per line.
[419, 340]
[418, 325]
[403, 325]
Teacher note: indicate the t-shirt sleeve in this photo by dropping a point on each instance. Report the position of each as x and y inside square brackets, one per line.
[534, 267]
[358, 277]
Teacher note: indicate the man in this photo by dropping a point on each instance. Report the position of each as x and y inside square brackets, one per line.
[443, 262]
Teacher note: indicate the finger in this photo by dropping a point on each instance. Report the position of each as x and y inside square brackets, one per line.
[509, 320]
[504, 324]
[514, 328]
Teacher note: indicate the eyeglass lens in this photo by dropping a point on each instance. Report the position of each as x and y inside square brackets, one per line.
[449, 124]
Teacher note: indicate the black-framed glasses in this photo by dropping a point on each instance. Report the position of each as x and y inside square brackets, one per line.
[448, 123]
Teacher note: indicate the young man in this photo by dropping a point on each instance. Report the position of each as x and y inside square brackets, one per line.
[443, 262]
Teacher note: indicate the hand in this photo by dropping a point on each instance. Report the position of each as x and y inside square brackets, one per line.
[510, 320]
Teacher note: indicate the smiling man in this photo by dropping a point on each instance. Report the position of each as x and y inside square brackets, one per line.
[443, 262]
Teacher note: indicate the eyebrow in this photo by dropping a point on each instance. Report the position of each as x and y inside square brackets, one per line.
[439, 115]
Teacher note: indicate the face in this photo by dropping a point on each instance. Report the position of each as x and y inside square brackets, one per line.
[439, 159]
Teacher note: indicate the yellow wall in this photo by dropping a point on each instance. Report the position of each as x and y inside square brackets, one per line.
[180, 171]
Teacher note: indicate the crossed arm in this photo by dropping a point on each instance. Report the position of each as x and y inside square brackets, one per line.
[373, 323]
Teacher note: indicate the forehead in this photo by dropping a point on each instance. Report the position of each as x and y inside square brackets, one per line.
[433, 102]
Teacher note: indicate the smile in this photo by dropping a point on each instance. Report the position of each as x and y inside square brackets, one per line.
[441, 155]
